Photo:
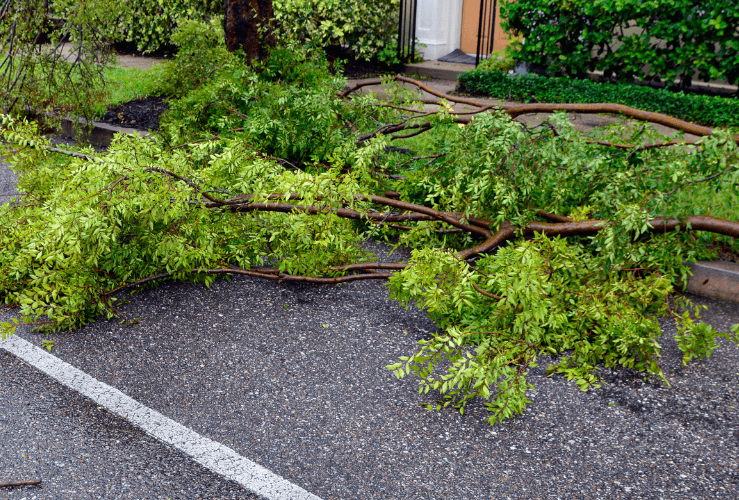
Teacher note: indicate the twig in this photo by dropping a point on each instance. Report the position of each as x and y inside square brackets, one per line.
[486, 294]
[26, 482]
[421, 129]
[70, 153]
[416, 158]
[112, 187]
[636, 147]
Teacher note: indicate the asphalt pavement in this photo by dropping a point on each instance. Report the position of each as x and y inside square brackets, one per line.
[293, 377]
[80, 450]
[7, 183]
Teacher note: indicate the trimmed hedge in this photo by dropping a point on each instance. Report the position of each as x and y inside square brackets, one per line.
[665, 39]
[705, 110]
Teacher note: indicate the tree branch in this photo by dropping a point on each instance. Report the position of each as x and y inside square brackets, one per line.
[521, 109]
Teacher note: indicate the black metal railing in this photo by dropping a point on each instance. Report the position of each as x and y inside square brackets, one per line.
[486, 29]
[407, 29]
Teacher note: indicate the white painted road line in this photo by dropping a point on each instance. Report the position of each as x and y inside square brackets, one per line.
[215, 456]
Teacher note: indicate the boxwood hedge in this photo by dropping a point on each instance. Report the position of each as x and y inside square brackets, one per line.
[712, 111]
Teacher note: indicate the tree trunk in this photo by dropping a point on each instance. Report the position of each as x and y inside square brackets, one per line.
[242, 21]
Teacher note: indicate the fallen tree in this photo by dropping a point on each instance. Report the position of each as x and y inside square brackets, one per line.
[526, 242]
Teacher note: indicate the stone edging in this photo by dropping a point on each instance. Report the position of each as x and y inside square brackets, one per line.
[100, 134]
[717, 279]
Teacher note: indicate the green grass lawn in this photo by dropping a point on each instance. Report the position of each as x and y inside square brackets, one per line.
[129, 84]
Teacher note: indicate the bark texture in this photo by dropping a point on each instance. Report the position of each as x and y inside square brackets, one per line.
[242, 21]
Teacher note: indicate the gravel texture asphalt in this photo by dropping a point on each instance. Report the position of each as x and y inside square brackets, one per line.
[80, 450]
[293, 377]
[7, 183]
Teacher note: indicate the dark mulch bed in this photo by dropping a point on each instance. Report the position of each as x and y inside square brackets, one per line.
[123, 48]
[359, 68]
[142, 114]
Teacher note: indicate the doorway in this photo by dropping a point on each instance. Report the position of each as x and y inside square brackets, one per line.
[473, 12]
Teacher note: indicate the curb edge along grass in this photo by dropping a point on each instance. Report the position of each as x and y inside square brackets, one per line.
[213, 455]
[100, 134]
[714, 279]
[717, 279]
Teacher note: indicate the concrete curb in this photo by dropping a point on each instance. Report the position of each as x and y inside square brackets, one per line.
[100, 134]
[717, 279]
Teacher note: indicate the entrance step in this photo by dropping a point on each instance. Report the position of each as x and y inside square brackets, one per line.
[437, 69]
[458, 57]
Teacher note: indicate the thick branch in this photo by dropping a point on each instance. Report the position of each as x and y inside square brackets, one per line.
[506, 232]
[415, 212]
[521, 109]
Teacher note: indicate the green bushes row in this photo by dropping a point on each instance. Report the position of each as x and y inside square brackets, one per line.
[151, 23]
[367, 27]
[706, 110]
[665, 39]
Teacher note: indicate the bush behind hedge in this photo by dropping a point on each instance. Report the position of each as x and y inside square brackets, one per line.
[676, 39]
[151, 23]
[365, 26]
[706, 110]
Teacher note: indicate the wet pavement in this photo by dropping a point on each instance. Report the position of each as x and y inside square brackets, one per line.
[293, 377]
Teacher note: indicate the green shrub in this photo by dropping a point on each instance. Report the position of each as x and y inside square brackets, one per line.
[706, 110]
[151, 23]
[201, 51]
[285, 106]
[365, 27]
[498, 61]
[672, 39]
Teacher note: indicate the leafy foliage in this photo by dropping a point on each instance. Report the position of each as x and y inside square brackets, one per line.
[267, 166]
[64, 76]
[285, 108]
[366, 27]
[706, 110]
[151, 23]
[498, 61]
[201, 50]
[660, 39]
[552, 297]
[116, 219]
